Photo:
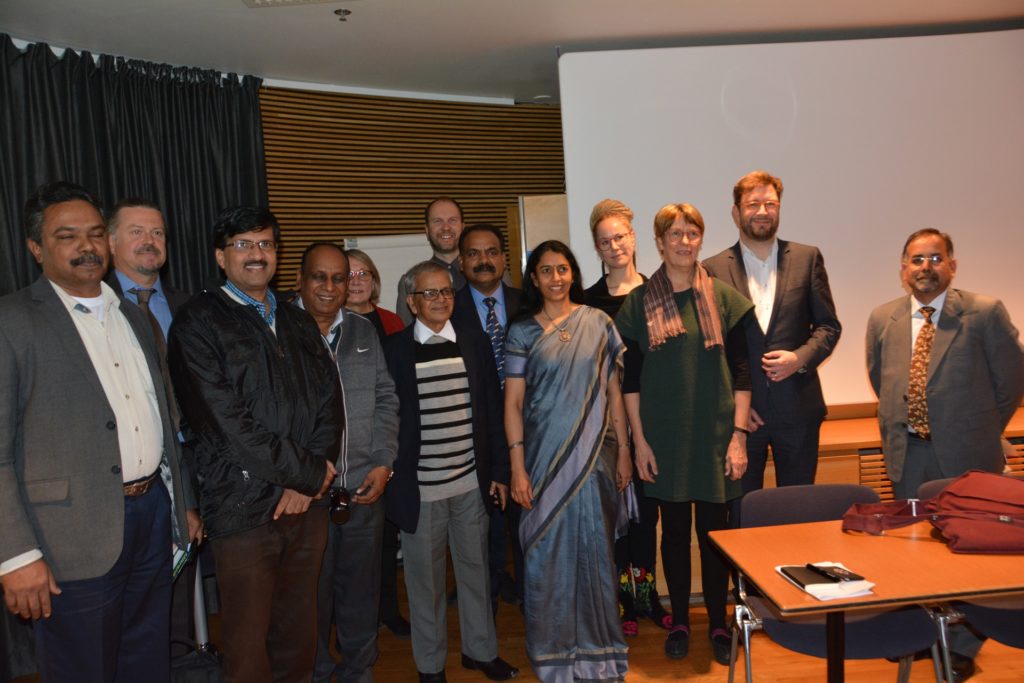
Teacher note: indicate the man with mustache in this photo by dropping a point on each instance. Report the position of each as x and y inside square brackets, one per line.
[948, 368]
[91, 493]
[793, 330]
[261, 398]
[492, 304]
[138, 250]
[443, 226]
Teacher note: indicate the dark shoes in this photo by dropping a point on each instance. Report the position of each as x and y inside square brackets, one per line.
[963, 668]
[677, 645]
[721, 646]
[433, 678]
[398, 626]
[497, 669]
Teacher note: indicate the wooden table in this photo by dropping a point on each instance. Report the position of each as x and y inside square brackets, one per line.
[907, 566]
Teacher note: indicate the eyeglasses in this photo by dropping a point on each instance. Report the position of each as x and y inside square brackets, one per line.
[248, 245]
[605, 244]
[431, 294]
[753, 206]
[340, 500]
[676, 236]
[934, 259]
[363, 275]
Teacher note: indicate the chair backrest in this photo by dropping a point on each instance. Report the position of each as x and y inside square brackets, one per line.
[930, 489]
[796, 504]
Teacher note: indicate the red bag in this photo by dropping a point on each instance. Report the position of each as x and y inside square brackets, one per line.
[979, 512]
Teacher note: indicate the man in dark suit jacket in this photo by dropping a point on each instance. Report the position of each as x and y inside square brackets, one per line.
[452, 466]
[488, 302]
[91, 495]
[138, 250]
[793, 330]
[970, 380]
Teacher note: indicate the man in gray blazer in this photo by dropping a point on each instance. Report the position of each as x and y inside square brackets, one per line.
[91, 496]
[793, 330]
[969, 382]
[349, 588]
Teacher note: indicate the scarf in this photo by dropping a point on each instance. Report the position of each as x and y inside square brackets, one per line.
[662, 314]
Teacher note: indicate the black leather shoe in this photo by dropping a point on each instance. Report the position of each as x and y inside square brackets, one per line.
[398, 626]
[721, 647]
[677, 645]
[433, 678]
[497, 669]
[963, 668]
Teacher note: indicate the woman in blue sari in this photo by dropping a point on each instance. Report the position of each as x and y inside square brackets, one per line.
[566, 428]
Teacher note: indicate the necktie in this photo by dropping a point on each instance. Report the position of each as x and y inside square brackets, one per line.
[497, 334]
[917, 400]
[143, 296]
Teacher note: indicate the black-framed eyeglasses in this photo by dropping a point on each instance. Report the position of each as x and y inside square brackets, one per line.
[249, 245]
[340, 501]
[431, 294]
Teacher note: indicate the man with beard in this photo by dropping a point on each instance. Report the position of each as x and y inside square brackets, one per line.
[138, 249]
[443, 218]
[948, 368]
[91, 494]
[490, 303]
[793, 330]
[262, 401]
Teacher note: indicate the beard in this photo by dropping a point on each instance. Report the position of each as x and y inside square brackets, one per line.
[760, 233]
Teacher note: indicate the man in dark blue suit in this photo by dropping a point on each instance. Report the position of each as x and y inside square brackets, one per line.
[489, 302]
[793, 330]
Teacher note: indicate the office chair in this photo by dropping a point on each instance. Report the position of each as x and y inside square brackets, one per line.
[870, 635]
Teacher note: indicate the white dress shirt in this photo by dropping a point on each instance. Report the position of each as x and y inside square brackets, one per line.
[761, 279]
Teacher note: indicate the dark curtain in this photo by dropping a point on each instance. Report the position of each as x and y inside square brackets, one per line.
[186, 138]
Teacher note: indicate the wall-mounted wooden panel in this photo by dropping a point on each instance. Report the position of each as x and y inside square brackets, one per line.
[342, 165]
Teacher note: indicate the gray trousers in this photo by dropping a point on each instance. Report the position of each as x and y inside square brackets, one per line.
[461, 523]
[348, 595]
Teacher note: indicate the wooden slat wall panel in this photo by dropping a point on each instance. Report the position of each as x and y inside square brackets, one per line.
[342, 165]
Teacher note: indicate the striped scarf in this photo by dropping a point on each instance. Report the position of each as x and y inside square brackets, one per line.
[662, 314]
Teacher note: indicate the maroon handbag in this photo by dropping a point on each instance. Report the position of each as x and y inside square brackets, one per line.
[979, 512]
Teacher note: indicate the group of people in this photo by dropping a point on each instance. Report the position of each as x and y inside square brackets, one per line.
[555, 422]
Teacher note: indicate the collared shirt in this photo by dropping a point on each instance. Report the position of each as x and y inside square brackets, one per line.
[917, 317]
[424, 334]
[124, 375]
[158, 303]
[499, 305]
[333, 336]
[241, 297]
[761, 280]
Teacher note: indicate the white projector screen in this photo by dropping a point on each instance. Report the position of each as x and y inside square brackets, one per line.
[873, 139]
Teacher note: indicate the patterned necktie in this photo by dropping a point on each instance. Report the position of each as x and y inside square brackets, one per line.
[143, 296]
[497, 334]
[917, 400]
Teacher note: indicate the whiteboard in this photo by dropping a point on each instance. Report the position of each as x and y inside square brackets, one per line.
[872, 138]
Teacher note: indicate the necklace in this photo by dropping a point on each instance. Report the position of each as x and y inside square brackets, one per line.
[563, 334]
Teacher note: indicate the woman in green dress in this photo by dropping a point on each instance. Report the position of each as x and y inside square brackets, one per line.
[687, 394]
[569, 452]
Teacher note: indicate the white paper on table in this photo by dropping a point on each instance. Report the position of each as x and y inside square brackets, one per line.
[830, 590]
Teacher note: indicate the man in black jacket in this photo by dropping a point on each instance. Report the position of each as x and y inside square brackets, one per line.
[261, 397]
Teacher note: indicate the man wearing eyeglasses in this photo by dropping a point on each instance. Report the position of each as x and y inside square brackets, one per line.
[452, 467]
[948, 368]
[348, 592]
[490, 303]
[260, 394]
[793, 330]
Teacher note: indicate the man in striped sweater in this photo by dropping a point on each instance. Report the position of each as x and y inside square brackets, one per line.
[452, 468]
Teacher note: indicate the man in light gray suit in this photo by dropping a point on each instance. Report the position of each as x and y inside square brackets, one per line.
[348, 593]
[91, 496]
[970, 382]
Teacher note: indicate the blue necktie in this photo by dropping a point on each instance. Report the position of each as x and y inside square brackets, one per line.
[497, 334]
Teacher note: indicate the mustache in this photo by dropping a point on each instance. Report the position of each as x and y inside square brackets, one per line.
[148, 249]
[87, 259]
[259, 262]
[485, 268]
